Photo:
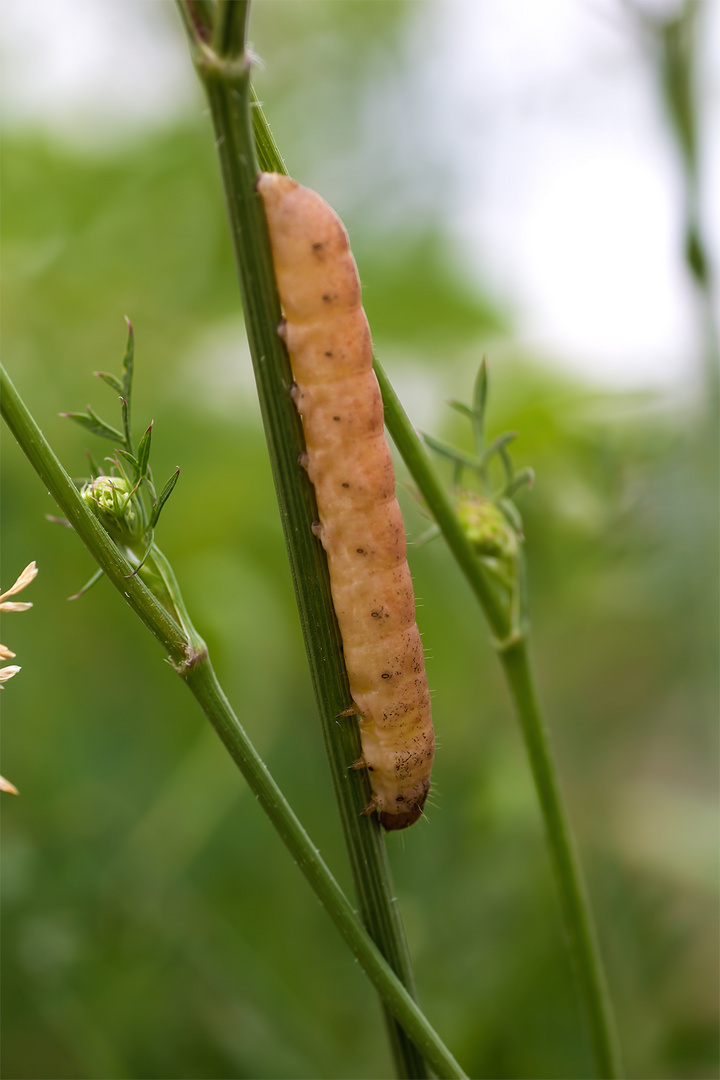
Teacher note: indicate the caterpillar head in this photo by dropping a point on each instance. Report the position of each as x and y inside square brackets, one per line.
[393, 821]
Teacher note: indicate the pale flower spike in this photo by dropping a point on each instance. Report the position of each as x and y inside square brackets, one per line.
[28, 575]
[6, 673]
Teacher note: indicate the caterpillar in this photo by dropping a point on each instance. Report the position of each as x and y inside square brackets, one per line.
[348, 462]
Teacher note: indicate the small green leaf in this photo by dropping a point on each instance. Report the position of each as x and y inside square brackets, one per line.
[92, 423]
[460, 407]
[132, 462]
[150, 487]
[499, 446]
[149, 537]
[524, 477]
[480, 394]
[512, 513]
[127, 434]
[144, 450]
[88, 585]
[111, 380]
[128, 363]
[95, 469]
[164, 496]
[450, 452]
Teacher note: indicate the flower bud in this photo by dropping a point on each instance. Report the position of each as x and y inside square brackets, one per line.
[487, 528]
[111, 499]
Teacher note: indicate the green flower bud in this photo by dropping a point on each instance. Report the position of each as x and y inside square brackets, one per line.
[487, 528]
[112, 501]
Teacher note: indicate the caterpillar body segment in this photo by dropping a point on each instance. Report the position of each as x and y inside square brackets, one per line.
[349, 464]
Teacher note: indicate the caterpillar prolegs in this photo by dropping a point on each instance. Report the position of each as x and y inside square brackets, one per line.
[348, 462]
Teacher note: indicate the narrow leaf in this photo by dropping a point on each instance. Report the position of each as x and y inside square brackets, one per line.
[96, 577]
[111, 380]
[512, 513]
[127, 434]
[480, 394]
[149, 543]
[526, 476]
[144, 450]
[95, 469]
[164, 496]
[450, 452]
[498, 446]
[460, 407]
[149, 486]
[507, 462]
[94, 425]
[128, 363]
[134, 465]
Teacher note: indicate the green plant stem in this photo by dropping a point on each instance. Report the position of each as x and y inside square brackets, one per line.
[512, 646]
[225, 76]
[423, 472]
[576, 910]
[193, 665]
[677, 39]
[204, 685]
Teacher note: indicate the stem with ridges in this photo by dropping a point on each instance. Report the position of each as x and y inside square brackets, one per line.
[226, 81]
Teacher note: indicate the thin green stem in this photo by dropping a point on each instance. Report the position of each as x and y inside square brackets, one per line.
[438, 501]
[678, 36]
[192, 663]
[512, 646]
[201, 680]
[511, 642]
[576, 910]
[226, 81]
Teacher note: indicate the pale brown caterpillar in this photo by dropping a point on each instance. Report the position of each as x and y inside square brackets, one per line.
[348, 461]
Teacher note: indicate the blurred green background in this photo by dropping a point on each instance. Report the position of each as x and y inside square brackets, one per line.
[153, 925]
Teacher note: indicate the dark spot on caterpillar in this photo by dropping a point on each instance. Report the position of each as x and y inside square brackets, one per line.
[375, 614]
[329, 298]
[336, 419]
[328, 353]
[345, 484]
[399, 798]
[318, 246]
[386, 675]
[360, 551]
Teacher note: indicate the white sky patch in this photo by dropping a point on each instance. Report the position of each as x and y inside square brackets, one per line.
[94, 71]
